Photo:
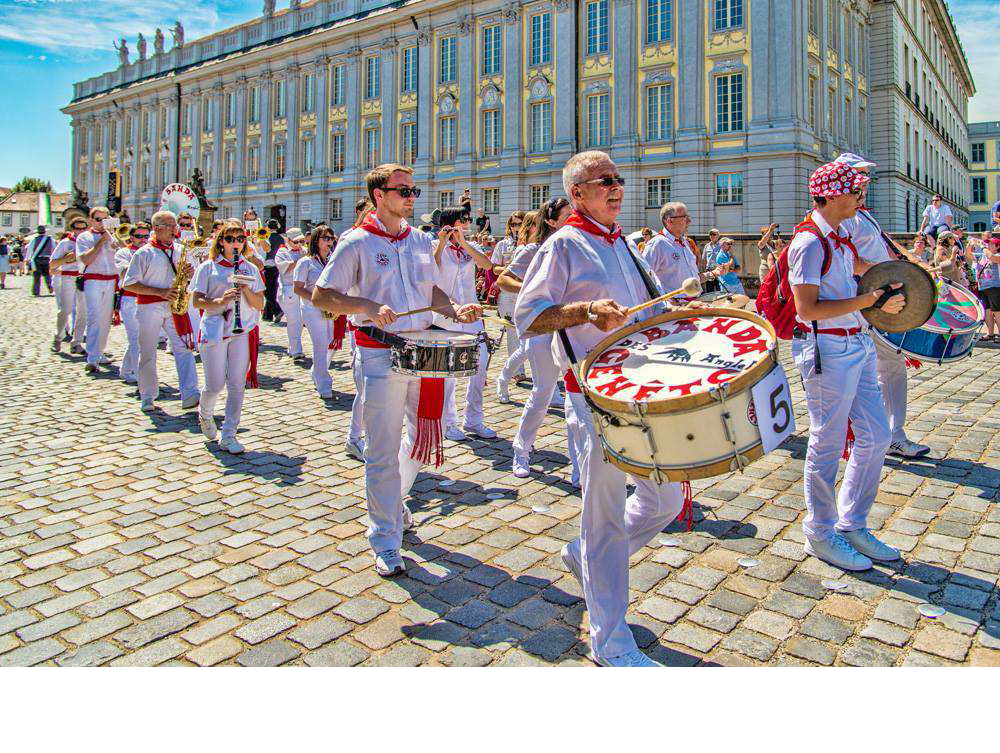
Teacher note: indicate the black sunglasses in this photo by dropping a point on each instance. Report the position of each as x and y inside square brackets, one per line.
[326, 237]
[607, 181]
[234, 238]
[140, 236]
[404, 191]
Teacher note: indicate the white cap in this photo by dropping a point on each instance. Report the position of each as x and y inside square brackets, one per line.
[295, 234]
[854, 160]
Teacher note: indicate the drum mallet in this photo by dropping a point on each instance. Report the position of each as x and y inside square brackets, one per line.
[691, 287]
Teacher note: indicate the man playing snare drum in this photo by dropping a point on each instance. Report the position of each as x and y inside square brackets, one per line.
[380, 270]
[580, 284]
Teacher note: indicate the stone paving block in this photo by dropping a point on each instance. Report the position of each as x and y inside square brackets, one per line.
[966, 598]
[155, 605]
[693, 637]
[866, 653]
[382, 632]
[32, 653]
[885, 633]
[844, 607]
[940, 642]
[340, 654]
[826, 628]
[211, 605]
[402, 655]
[750, 644]
[154, 629]
[534, 613]
[45, 628]
[215, 651]
[212, 629]
[107, 604]
[15, 620]
[314, 604]
[61, 604]
[319, 632]
[153, 654]
[811, 650]
[361, 609]
[898, 612]
[90, 655]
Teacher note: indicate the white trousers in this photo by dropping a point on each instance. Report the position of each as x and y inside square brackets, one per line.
[473, 414]
[195, 316]
[891, 371]
[291, 307]
[544, 376]
[130, 360]
[225, 364]
[390, 399]
[152, 318]
[357, 406]
[100, 298]
[612, 529]
[515, 355]
[320, 334]
[846, 388]
[71, 308]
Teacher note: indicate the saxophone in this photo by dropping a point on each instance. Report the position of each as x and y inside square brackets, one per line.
[179, 287]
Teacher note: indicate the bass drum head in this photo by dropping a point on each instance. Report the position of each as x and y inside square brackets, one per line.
[673, 361]
[957, 310]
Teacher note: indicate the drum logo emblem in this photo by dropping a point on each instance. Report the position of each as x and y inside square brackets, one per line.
[382, 259]
[751, 413]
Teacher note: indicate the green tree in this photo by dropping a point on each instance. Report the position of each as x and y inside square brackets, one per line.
[33, 185]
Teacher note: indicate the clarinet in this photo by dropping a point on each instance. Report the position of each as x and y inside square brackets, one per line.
[237, 322]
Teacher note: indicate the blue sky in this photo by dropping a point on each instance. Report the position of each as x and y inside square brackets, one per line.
[46, 45]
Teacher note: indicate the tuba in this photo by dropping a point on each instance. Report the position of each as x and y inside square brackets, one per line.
[122, 233]
[179, 287]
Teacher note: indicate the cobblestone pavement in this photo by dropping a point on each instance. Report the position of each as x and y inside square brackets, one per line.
[125, 539]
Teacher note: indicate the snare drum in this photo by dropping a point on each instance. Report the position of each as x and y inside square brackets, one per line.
[671, 395]
[436, 353]
[948, 335]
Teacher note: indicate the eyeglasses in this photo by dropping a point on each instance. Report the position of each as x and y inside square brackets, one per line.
[404, 191]
[187, 227]
[680, 217]
[607, 181]
[234, 238]
[328, 237]
[140, 236]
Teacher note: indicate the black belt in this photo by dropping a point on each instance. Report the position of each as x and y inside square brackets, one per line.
[381, 336]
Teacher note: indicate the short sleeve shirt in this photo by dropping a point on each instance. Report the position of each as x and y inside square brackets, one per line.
[212, 280]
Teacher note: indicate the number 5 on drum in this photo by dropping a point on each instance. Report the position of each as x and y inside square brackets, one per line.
[772, 401]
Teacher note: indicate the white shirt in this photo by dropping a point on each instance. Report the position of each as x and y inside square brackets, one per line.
[866, 237]
[286, 259]
[104, 263]
[66, 246]
[938, 216]
[522, 260]
[212, 280]
[502, 255]
[572, 266]
[458, 280]
[671, 260]
[805, 265]
[123, 257]
[307, 271]
[151, 266]
[400, 274]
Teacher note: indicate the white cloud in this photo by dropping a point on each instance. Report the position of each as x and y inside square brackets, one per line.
[977, 22]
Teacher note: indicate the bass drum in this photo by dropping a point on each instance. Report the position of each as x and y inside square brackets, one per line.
[949, 335]
[671, 396]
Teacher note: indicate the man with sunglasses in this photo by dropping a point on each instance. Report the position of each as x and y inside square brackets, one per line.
[71, 308]
[150, 275]
[95, 253]
[937, 216]
[379, 270]
[286, 259]
[875, 246]
[138, 237]
[671, 254]
[580, 285]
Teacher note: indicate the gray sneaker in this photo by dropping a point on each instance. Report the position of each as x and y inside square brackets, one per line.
[356, 450]
[631, 659]
[571, 563]
[389, 563]
[907, 449]
[837, 551]
[863, 541]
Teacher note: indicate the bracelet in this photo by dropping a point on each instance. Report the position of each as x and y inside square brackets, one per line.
[591, 316]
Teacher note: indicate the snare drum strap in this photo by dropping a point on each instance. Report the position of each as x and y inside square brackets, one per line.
[381, 336]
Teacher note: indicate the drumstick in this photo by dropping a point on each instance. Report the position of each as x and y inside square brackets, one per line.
[435, 308]
[691, 287]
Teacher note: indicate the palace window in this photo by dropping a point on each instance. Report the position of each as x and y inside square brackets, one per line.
[308, 156]
[446, 199]
[336, 209]
[657, 192]
[144, 176]
[206, 166]
[373, 146]
[308, 92]
[812, 102]
[279, 161]
[253, 162]
[492, 45]
[230, 109]
[447, 138]
[207, 115]
[729, 188]
[229, 167]
[539, 195]
[659, 20]
[491, 200]
[278, 107]
[409, 69]
[540, 47]
[541, 127]
[597, 120]
[597, 27]
[491, 133]
[253, 104]
[163, 173]
[979, 190]
[408, 143]
[128, 132]
[337, 153]
[979, 152]
[337, 90]
[145, 128]
[448, 60]
[728, 14]
[659, 112]
[372, 85]
[729, 103]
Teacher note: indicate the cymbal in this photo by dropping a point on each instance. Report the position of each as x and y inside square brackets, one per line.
[726, 300]
[918, 287]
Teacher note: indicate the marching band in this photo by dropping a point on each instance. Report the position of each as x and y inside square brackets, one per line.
[578, 301]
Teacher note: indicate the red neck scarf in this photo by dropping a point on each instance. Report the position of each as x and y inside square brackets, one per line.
[583, 222]
[372, 225]
[156, 244]
[224, 262]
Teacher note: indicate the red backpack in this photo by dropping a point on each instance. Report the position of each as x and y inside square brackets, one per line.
[775, 301]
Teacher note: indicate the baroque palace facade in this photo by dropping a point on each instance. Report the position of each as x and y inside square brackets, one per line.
[727, 105]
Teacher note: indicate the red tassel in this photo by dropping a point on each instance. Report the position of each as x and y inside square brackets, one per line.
[687, 511]
[913, 363]
[849, 441]
[253, 344]
[339, 330]
[182, 324]
[430, 407]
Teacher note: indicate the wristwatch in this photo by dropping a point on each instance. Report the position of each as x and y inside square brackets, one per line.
[591, 316]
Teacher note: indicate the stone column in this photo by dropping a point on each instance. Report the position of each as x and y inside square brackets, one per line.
[690, 86]
[623, 135]
[322, 147]
[266, 84]
[512, 85]
[352, 151]
[390, 98]
[565, 106]
[425, 101]
[293, 108]
[196, 104]
[173, 137]
[241, 131]
[219, 123]
[466, 94]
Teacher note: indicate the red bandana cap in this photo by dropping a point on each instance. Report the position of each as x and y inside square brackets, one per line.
[835, 179]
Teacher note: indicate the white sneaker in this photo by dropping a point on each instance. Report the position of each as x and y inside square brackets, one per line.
[130, 380]
[907, 449]
[190, 402]
[503, 396]
[521, 467]
[90, 368]
[454, 434]
[481, 431]
[389, 563]
[232, 446]
[863, 541]
[631, 659]
[147, 406]
[355, 449]
[557, 400]
[56, 344]
[208, 427]
[407, 518]
[837, 551]
[326, 395]
[566, 555]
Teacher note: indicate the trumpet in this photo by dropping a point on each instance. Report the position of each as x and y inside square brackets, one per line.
[122, 233]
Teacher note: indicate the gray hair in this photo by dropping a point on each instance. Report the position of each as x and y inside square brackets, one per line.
[163, 214]
[579, 165]
[670, 209]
